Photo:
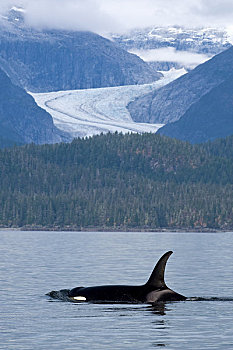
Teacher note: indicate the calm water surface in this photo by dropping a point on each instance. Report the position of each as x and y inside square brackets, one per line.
[33, 263]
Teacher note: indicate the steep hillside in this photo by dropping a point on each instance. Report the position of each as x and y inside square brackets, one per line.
[21, 120]
[43, 61]
[209, 118]
[172, 101]
[117, 181]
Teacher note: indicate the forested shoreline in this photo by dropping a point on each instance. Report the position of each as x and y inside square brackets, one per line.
[118, 182]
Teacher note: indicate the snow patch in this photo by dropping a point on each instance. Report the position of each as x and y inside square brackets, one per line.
[18, 9]
[173, 71]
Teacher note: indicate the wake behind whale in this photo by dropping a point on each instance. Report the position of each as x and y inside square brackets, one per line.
[153, 291]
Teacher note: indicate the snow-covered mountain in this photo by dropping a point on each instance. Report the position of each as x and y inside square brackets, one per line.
[72, 63]
[166, 47]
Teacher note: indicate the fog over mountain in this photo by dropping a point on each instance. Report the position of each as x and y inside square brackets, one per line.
[105, 16]
[174, 46]
[49, 60]
[52, 46]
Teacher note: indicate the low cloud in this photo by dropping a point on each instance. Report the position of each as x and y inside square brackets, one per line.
[104, 16]
[170, 54]
[69, 14]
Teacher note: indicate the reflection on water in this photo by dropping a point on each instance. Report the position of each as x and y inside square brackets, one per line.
[158, 345]
[228, 299]
[159, 309]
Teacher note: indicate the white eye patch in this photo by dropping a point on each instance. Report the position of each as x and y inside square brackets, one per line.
[79, 298]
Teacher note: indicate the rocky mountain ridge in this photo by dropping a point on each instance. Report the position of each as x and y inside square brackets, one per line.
[172, 101]
[209, 118]
[205, 41]
[47, 60]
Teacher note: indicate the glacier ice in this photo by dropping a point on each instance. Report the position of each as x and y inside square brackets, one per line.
[94, 111]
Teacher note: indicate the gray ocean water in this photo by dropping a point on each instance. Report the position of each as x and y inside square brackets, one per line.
[34, 263]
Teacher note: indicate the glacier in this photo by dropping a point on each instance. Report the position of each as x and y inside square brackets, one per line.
[87, 112]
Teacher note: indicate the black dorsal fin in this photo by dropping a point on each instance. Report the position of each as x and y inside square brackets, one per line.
[157, 277]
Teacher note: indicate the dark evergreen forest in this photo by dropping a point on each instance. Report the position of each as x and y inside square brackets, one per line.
[117, 181]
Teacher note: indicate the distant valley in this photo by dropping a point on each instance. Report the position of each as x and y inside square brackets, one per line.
[89, 84]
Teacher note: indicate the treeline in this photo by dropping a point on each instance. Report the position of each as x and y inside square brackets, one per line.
[117, 181]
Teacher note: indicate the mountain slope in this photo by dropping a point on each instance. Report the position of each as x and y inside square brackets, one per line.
[209, 118]
[43, 61]
[21, 120]
[172, 101]
[117, 181]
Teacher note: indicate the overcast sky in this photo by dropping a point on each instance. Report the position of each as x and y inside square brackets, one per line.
[104, 16]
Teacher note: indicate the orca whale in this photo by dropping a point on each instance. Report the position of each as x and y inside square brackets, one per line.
[154, 290]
